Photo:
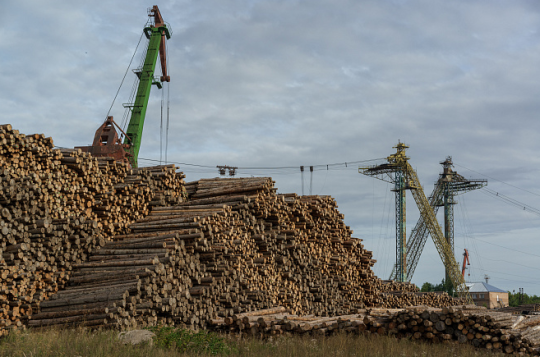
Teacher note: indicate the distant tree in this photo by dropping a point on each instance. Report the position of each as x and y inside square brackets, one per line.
[443, 286]
[516, 299]
[427, 287]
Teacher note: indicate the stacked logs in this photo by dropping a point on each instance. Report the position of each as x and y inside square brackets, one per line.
[496, 331]
[57, 206]
[525, 309]
[137, 253]
[396, 295]
[234, 246]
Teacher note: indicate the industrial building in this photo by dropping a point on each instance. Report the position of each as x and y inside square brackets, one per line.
[487, 295]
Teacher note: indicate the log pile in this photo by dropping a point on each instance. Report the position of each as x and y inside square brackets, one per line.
[90, 241]
[234, 246]
[397, 295]
[496, 331]
[56, 207]
[526, 309]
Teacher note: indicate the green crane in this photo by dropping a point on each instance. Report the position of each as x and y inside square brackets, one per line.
[106, 141]
[157, 35]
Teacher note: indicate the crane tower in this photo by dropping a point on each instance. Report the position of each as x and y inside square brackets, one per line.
[449, 185]
[397, 170]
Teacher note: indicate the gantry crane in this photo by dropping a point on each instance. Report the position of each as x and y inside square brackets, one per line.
[449, 184]
[398, 171]
[106, 140]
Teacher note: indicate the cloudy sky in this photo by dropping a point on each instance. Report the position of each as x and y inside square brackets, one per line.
[268, 86]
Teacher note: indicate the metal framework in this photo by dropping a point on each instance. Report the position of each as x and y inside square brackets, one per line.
[394, 172]
[106, 140]
[387, 172]
[156, 33]
[401, 231]
[447, 187]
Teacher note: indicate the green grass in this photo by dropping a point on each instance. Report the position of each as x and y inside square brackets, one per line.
[202, 342]
[174, 342]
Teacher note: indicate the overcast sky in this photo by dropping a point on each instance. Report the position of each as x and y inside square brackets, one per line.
[275, 84]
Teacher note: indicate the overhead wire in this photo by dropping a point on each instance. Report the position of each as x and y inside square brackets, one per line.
[124, 77]
[320, 166]
[466, 224]
[514, 263]
[314, 166]
[533, 282]
[161, 126]
[492, 178]
[168, 102]
[511, 201]
[134, 88]
[512, 249]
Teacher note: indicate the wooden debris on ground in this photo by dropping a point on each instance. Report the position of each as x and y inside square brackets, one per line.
[482, 328]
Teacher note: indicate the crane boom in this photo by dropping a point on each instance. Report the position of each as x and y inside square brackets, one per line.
[444, 249]
[156, 33]
[106, 140]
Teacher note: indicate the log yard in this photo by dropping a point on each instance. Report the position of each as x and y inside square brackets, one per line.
[93, 236]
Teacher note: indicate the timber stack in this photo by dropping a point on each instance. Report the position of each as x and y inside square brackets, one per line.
[234, 246]
[466, 324]
[56, 207]
[90, 241]
[396, 295]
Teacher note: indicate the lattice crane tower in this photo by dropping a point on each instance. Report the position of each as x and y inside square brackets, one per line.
[398, 171]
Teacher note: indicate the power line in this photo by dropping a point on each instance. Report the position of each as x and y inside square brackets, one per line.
[515, 250]
[122, 82]
[498, 272]
[492, 178]
[511, 201]
[506, 261]
[320, 167]
[346, 164]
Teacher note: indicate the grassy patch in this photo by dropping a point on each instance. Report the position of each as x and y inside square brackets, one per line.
[202, 342]
[173, 342]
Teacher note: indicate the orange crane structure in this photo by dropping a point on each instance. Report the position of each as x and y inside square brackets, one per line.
[465, 259]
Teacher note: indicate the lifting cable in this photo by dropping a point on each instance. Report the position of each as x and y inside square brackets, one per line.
[125, 74]
[168, 103]
[161, 127]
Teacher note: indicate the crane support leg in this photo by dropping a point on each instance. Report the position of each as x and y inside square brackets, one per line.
[449, 221]
[401, 232]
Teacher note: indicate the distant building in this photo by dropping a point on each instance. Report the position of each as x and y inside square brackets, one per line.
[487, 295]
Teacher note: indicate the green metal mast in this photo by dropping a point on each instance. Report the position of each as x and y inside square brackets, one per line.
[156, 33]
